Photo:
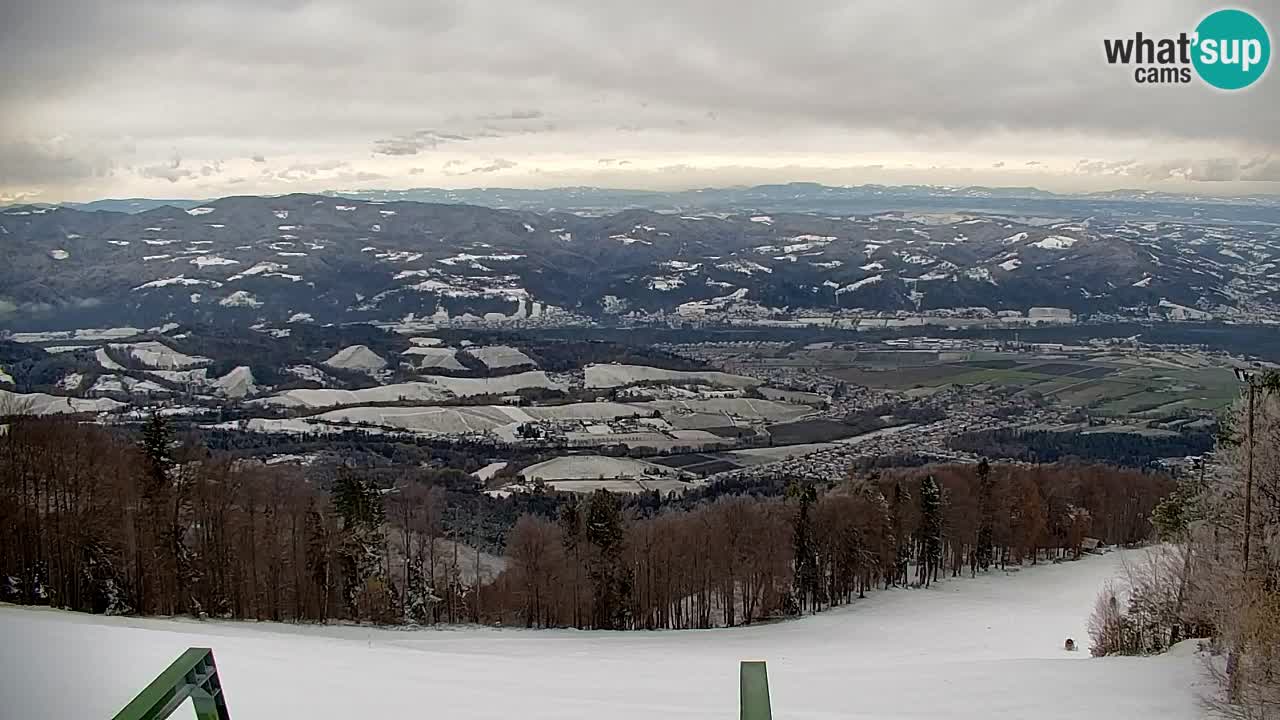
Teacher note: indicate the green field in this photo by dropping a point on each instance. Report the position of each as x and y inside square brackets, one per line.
[1111, 389]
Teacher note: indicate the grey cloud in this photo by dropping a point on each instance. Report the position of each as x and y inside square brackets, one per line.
[415, 142]
[998, 164]
[416, 171]
[171, 171]
[338, 171]
[35, 163]
[948, 73]
[303, 171]
[1262, 168]
[495, 166]
[775, 65]
[19, 197]
[1215, 169]
[454, 167]
[258, 159]
[358, 176]
[1105, 167]
[513, 115]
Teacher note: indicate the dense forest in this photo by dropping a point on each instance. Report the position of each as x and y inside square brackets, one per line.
[1126, 449]
[95, 520]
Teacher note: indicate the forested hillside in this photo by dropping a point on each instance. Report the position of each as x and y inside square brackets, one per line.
[97, 521]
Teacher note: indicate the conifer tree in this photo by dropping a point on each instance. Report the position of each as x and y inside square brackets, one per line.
[902, 548]
[420, 598]
[157, 448]
[807, 583]
[930, 530]
[986, 515]
[570, 534]
[170, 562]
[603, 531]
[360, 546]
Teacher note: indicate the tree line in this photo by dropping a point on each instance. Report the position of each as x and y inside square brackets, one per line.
[740, 559]
[1115, 448]
[94, 520]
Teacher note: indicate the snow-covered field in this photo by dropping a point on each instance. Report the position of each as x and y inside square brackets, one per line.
[500, 356]
[158, 356]
[356, 357]
[434, 358]
[596, 467]
[988, 649]
[439, 388]
[42, 404]
[611, 375]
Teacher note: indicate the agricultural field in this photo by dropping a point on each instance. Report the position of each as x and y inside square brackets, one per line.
[613, 375]
[586, 473]
[500, 356]
[1112, 388]
[436, 390]
[656, 424]
[433, 358]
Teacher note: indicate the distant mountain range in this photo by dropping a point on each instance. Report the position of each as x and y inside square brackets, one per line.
[320, 259]
[799, 197]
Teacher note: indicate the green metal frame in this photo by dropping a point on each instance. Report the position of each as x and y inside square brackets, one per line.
[193, 675]
[753, 696]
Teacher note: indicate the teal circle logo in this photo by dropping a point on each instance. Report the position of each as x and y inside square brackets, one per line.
[1232, 49]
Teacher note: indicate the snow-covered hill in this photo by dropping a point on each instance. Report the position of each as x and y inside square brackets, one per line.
[989, 648]
[307, 258]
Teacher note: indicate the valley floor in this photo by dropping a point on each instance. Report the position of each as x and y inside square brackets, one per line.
[987, 648]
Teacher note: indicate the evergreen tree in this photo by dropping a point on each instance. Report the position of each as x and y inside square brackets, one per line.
[164, 506]
[986, 515]
[902, 548]
[888, 543]
[420, 598]
[157, 448]
[570, 533]
[930, 530]
[610, 589]
[361, 545]
[807, 583]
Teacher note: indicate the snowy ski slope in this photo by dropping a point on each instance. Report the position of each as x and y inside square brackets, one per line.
[989, 649]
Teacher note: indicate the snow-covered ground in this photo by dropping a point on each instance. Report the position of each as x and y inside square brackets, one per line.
[614, 375]
[988, 649]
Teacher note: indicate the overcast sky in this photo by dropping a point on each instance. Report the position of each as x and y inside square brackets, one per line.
[177, 98]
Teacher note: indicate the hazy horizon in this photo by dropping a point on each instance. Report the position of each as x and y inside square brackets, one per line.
[1194, 192]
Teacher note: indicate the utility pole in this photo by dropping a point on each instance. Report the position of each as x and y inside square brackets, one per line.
[1251, 380]
[1248, 482]
[1233, 658]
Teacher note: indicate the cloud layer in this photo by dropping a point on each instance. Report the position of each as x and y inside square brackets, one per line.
[124, 97]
